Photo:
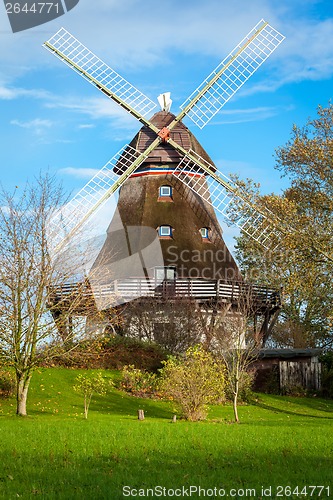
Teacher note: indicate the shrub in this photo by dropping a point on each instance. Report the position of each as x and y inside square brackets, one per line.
[89, 384]
[296, 391]
[112, 352]
[7, 383]
[138, 382]
[193, 382]
[267, 380]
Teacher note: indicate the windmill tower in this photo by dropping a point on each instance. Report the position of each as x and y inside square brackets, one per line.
[168, 183]
[189, 232]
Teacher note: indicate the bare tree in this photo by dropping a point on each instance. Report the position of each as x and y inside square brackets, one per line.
[28, 275]
[236, 342]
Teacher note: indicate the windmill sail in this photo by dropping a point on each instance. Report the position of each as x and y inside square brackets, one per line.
[67, 221]
[229, 76]
[226, 199]
[78, 57]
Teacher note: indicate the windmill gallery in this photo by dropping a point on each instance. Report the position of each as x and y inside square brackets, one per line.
[164, 241]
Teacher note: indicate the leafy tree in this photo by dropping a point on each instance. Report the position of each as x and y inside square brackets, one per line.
[193, 381]
[88, 385]
[302, 262]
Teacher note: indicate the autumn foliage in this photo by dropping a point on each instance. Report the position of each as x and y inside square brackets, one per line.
[193, 382]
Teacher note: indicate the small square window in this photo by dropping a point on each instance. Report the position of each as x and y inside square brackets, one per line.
[165, 231]
[165, 191]
[204, 232]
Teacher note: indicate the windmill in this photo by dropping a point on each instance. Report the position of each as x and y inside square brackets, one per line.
[166, 161]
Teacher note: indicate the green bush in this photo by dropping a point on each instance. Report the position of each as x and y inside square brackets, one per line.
[327, 374]
[7, 383]
[89, 384]
[138, 382]
[193, 381]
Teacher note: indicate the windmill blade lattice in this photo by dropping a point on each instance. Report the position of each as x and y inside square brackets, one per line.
[66, 222]
[231, 73]
[225, 198]
[78, 57]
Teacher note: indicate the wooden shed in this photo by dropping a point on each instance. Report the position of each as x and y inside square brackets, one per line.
[284, 369]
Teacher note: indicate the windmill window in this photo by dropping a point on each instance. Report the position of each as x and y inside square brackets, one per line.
[165, 193]
[204, 231]
[165, 231]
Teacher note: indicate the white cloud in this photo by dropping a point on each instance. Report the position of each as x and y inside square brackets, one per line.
[8, 92]
[129, 34]
[308, 53]
[233, 116]
[79, 173]
[94, 107]
[86, 125]
[37, 125]
[122, 125]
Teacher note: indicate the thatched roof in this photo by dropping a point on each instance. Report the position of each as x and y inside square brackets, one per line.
[139, 206]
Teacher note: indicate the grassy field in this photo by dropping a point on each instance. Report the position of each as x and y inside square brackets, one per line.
[55, 453]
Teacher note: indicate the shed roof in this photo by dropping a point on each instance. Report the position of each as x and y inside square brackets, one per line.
[289, 353]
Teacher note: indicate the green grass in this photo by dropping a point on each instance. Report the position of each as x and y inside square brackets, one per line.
[55, 453]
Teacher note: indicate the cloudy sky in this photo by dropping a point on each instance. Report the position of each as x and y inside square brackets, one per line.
[52, 119]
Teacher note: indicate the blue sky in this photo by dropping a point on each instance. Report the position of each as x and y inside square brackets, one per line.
[52, 119]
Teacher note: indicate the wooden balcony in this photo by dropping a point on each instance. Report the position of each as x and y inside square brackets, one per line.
[202, 290]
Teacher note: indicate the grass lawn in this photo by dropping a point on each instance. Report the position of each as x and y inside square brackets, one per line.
[55, 453]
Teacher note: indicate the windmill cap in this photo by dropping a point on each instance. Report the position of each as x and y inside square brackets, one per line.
[164, 153]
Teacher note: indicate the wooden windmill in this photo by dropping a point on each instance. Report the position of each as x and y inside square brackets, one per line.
[168, 182]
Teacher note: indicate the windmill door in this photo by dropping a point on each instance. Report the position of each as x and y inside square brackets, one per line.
[165, 278]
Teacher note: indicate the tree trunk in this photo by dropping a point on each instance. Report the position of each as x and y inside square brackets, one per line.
[23, 382]
[87, 399]
[85, 407]
[235, 401]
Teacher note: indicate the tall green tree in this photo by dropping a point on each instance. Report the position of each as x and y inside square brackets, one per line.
[302, 262]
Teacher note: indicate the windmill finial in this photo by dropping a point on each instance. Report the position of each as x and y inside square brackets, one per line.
[165, 101]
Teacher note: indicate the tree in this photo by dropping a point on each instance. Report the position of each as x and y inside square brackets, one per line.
[88, 385]
[28, 273]
[193, 381]
[236, 343]
[307, 160]
[302, 262]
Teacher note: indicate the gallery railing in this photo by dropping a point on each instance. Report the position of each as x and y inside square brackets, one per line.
[124, 290]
